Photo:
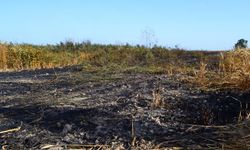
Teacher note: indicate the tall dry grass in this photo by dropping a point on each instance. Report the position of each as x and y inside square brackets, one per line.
[19, 57]
[232, 72]
[115, 58]
[235, 69]
[3, 56]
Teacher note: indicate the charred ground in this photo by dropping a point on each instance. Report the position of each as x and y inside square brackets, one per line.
[66, 106]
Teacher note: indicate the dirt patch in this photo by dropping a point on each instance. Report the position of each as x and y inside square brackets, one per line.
[69, 106]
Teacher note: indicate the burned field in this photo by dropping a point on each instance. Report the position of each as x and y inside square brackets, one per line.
[71, 108]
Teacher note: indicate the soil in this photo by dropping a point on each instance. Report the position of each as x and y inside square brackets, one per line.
[70, 108]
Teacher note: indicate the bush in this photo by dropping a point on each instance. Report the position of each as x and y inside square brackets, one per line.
[241, 44]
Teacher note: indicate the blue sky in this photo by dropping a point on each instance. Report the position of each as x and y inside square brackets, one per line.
[190, 24]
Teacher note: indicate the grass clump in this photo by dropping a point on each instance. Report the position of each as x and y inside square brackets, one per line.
[24, 56]
[232, 72]
[235, 69]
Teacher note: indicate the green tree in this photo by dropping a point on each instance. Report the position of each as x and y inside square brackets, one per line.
[242, 43]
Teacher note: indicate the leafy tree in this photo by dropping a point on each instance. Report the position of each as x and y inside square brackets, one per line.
[242, 43]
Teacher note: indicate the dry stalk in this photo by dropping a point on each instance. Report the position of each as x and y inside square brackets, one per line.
[240, 117]
[3, 57]
[74, 146]
[133, 136]
[201, 74]
[157, 98]
[207, 115]
[11, 130]
[38, 119]
[248, 116]
[169, 70]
